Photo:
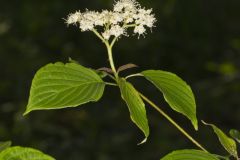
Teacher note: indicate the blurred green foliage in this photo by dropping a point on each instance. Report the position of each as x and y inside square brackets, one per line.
[198, 40]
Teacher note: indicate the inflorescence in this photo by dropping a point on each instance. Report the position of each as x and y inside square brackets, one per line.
[126, 14]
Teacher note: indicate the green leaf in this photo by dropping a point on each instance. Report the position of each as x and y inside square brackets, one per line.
[190, 155]
[176, 92]
[59, 85]
[228, 143]
[135, 106]
[4, 145]
[235, 134]
[20, 153]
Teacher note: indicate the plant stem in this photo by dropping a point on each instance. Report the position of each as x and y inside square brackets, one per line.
[173, 122]
[111, 84]
[110, 57]
[113, 42]
[134, 75]
[98, 35]
[109, 50]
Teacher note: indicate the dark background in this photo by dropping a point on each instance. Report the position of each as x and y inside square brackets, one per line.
[197, 39]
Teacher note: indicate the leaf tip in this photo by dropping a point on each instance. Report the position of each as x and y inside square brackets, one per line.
[143, 141]
[195, 125]
[205, 123]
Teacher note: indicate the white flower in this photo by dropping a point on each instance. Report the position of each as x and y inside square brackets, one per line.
[103, 18]
[125, 14]
[115, 18]
[144, 17]
[126, 5]
[73, 18]
[88, 20]
[139, 29]
[128, 17]
[86, 25]
[117, 31]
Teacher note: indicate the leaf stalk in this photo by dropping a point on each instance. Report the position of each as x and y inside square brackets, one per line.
[173, 122]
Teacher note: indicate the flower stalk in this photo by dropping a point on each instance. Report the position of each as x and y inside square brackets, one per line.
[109, 51]
[110, 57]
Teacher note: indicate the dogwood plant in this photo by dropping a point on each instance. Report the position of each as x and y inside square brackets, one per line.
[59, 85]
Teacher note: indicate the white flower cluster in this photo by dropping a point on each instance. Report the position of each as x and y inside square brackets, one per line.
[125, 14]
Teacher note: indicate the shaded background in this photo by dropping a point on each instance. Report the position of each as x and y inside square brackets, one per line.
[199, 40]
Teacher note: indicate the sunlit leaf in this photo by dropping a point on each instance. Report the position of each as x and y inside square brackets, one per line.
[176, 92]
[190, 155]
[135, 106]
[61, 85]
[20, 153]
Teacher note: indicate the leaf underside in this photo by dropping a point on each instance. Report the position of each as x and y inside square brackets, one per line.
[189, 155]
[20, 153]
[126, 66]
[135, 106]
[176, 92]
[105, 69]
[59, 85]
